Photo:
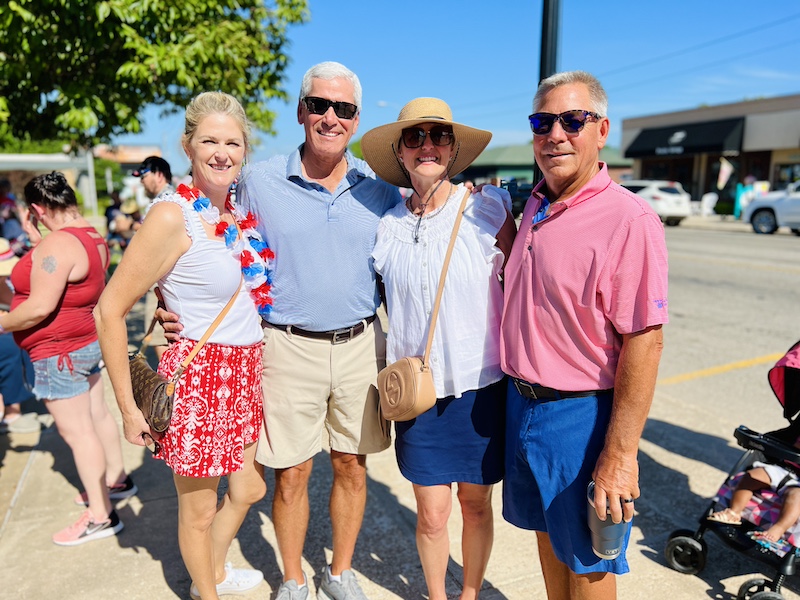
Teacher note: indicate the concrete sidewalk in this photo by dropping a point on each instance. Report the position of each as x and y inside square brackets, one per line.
[38, 482]
[716, 223]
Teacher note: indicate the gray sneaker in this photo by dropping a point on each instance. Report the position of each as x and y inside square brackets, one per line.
[289, 590]
[346, 589]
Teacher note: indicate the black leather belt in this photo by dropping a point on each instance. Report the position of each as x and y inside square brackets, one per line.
[336, 336]
[539, 392]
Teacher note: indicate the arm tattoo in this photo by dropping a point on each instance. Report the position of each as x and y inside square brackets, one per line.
[49, 264]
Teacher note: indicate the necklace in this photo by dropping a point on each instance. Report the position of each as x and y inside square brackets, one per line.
[424, 205]
[250, 249]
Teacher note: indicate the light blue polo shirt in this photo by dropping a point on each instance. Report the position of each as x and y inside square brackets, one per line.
[323, 277]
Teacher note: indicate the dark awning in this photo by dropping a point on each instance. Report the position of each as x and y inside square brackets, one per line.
[692, 138]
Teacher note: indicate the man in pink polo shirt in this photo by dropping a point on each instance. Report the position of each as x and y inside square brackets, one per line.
[585, 299]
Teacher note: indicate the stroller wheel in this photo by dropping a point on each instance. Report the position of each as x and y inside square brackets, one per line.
[684, 553]
[757, 588]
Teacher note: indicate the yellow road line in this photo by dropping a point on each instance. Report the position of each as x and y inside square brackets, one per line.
[742, 364]
[732, 262]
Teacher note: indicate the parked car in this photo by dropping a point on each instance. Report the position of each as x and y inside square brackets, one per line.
[519, 198]
[775, 209]
[668, 198]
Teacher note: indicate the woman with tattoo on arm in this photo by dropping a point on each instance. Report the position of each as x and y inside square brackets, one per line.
[56, 287]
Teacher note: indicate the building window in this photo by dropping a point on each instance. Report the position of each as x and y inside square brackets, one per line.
[786, 174]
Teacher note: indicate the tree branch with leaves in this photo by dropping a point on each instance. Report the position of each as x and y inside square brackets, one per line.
[84, 70]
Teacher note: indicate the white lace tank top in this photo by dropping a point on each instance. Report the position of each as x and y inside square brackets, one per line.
[202, 281]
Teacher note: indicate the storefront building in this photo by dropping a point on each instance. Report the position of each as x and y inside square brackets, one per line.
[711, 149]
[506, 163]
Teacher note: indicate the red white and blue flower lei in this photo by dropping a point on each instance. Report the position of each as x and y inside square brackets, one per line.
[251, 250]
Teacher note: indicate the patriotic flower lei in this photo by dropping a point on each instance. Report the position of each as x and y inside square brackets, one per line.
[251, 250]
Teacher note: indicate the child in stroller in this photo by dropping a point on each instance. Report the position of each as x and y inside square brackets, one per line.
[762, 475]
[756, 509]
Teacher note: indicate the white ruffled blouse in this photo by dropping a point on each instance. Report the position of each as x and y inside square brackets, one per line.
[466, 346]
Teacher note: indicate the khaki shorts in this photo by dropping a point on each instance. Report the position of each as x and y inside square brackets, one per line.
[313, 388]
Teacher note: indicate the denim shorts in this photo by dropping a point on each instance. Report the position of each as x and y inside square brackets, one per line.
[66, 375]
[551, 451]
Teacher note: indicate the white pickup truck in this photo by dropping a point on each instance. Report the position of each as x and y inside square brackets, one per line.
[776, 209]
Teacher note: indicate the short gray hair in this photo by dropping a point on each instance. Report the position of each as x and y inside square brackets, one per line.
[597, 94]
[331, 70]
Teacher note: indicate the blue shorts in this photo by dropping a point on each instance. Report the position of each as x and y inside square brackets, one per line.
[66, 376]
[551, 451]
[16, 372]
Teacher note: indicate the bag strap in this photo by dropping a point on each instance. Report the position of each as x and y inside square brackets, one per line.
[440, 291]
[201, 342]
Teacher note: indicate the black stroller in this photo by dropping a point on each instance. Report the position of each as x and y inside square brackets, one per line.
[686, 550]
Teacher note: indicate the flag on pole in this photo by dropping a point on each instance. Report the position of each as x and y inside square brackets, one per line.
[725, 171]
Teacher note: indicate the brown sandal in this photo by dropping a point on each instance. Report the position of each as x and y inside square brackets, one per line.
[726, 516]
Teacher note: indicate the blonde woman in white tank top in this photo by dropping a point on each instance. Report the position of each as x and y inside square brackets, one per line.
[190, 245]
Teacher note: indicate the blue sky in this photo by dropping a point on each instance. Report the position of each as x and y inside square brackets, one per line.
[482, 58]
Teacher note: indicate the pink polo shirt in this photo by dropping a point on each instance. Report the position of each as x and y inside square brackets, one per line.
[594, 269]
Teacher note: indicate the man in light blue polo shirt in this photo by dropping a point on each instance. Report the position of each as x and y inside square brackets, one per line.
[318, 208]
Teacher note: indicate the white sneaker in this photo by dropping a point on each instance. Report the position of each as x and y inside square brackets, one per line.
[237, 581]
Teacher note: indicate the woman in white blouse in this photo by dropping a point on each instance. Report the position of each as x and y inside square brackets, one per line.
[459, 440]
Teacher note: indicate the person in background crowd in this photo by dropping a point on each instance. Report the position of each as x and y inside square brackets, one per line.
[319, 208]
[585, 300]
[460, 439]
[6, 195]
[56, 286]
[12, 229]
[127, 221]
[191, 244]
[16, 370]
[156, 176]
[113, 212]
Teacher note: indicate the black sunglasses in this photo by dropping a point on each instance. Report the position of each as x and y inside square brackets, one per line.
[319, 106]
[152, 445]
[572, 121]
[414, 137]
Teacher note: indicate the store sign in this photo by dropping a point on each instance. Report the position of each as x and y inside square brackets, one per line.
[674, 142]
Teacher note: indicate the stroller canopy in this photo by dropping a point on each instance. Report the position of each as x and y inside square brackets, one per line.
[784, 379]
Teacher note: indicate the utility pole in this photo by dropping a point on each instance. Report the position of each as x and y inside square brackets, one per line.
[551, 13]
[548, 55]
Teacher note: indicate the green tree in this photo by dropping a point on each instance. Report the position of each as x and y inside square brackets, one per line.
[355, 148]
[84, 70]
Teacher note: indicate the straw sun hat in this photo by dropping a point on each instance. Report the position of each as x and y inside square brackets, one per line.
[380, 145]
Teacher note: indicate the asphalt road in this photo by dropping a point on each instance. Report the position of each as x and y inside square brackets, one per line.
[733, 297]
[733, 310]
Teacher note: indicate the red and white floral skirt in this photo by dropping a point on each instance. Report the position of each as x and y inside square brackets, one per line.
[218, 408]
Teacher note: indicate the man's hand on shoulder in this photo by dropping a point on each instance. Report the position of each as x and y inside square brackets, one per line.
[168, 320]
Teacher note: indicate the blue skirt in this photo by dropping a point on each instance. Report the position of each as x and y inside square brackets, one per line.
[458, 440]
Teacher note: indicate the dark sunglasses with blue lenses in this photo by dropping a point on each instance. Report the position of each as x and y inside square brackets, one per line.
[572, 121]
[319, 106]
[414, 137]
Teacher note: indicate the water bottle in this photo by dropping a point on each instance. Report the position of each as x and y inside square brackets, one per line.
[607, 536]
